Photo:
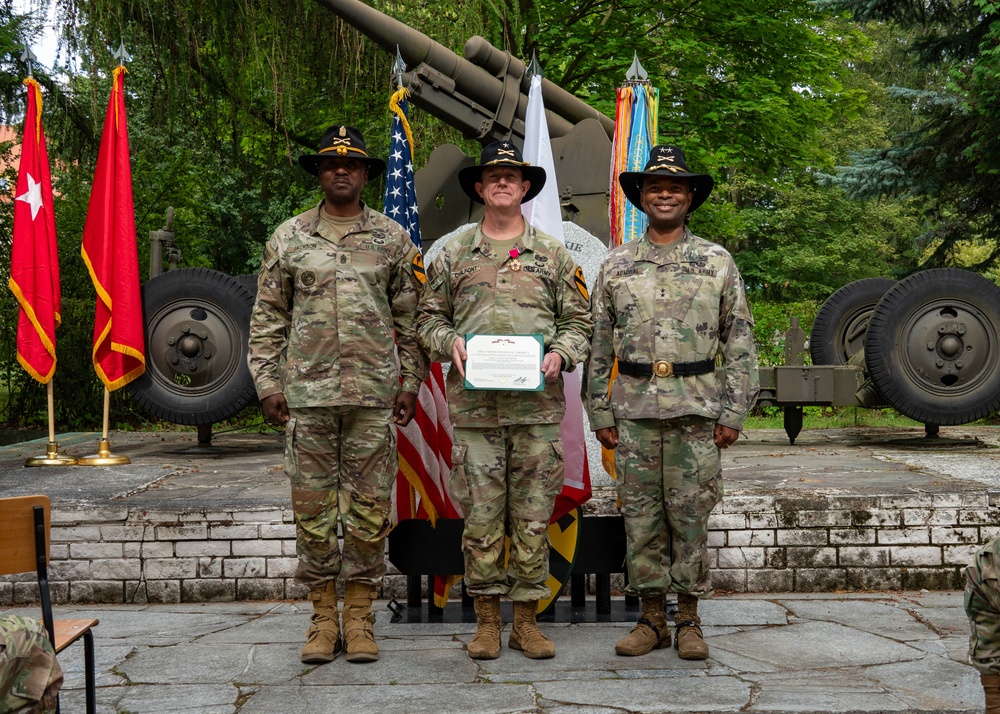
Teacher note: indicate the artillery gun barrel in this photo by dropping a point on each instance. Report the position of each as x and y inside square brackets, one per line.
[436, 95]
[480, 52]
[486, 91]
[388, 33]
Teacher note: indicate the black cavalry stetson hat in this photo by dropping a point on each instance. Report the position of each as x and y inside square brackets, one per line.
[666, 160]
[501, 153]
[346, 142]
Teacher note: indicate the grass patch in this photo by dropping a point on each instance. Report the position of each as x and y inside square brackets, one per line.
[830, 418]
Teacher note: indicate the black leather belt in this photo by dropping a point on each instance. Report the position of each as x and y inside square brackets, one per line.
[666, 369]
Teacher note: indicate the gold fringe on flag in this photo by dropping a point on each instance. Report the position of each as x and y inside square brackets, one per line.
[394, 101]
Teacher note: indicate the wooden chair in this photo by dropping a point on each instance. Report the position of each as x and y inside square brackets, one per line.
[24, 547]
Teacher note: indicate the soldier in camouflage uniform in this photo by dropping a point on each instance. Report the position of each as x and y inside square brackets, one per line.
[338, 287]
[506, 277]
[982, 604]
[665, 306]
[30, 676]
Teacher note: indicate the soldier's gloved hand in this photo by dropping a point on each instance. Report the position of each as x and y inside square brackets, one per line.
[459, 355]
[552, 365]
[406, 407]
[725, 435]
[275, 408]
[608, 436]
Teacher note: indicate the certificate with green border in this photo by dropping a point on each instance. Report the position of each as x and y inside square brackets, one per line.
[505, 362]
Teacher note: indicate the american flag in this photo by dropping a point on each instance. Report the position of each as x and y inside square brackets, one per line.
[424, 444]
[400, 195]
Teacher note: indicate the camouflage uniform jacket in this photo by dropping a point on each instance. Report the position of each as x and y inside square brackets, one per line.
[471, 290]
[982, 604]
[341, 304]
[30, 676]
[683, 305]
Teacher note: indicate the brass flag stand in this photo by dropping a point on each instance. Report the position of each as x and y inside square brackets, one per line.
[52, 456]
[104, 457]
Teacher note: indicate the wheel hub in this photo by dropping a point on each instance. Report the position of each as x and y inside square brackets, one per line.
[191, 341]
[189, 346]
[958, 340]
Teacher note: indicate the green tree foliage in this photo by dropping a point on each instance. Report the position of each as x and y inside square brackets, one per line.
[750, 84]
[804, 242]
[949, 157]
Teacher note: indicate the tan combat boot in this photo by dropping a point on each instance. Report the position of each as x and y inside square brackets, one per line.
[323, 637]
[359, 632]
[991, 688]
[690, 643]
[650, 631]
[526, 636]
[486, 643]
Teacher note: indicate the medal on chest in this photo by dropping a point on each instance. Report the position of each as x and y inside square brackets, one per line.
[515, 264]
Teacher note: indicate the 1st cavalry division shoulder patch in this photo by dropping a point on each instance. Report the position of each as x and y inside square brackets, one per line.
[418, 268]
[581, 284]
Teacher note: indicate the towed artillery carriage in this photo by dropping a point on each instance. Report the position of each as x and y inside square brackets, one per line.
[929, 345]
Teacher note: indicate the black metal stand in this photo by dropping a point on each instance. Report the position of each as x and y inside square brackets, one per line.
[618, 610]
[418, 550]
[793, 423]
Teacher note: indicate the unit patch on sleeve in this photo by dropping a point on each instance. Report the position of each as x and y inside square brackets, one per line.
[581, 284]
[418, 268]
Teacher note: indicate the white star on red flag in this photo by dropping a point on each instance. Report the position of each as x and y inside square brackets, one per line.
[33, 196]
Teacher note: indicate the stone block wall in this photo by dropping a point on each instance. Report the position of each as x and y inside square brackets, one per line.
[816, 543]
[113, 556]
[794, 543]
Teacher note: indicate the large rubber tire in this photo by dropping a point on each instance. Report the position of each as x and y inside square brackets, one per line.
[842, 321]
[197, 322]
[249, 281]
[933, 347]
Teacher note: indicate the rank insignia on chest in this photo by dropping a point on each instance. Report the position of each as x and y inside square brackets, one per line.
[515, 264]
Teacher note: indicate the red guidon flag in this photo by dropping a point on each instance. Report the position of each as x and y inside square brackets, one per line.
[34, 264]
[109, 250]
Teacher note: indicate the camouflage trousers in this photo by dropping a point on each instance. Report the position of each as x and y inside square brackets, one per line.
[506, 480]
[342, 463]
[669, 478]
[982, 605]
[30, 676]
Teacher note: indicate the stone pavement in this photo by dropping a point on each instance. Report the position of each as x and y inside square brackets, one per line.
[871, 652]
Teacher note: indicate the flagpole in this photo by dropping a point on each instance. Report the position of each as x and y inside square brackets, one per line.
[104, 457]
[129, 352]
[52, 456]
[545, 213]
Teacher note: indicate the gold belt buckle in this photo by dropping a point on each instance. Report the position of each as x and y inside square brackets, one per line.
[663, 368]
